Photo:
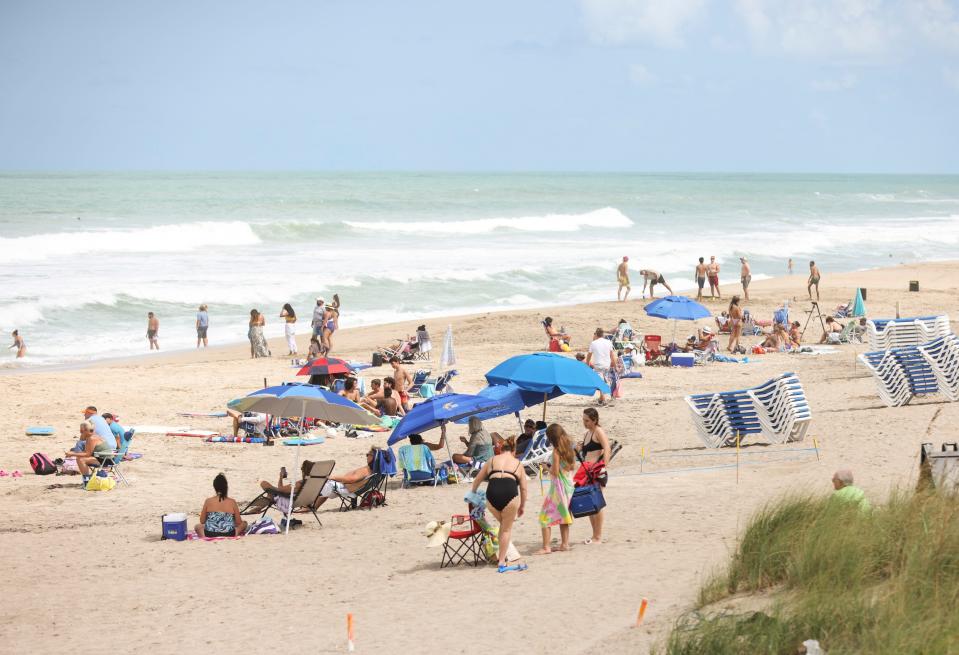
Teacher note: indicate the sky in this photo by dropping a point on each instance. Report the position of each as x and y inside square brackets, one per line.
[546, 85]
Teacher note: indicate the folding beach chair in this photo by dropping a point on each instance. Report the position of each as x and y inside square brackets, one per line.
[371, 494]
[419, 379]
[423, 345]
[538, 451]
[464, 543]
[441, 383]
[418, 476]
[114, 459]
[309, 493]
[942, 356]
[652, 347]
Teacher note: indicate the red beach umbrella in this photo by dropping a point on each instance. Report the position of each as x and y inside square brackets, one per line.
[326, 366]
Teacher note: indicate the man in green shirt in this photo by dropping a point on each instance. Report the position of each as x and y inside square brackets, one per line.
[846, 491]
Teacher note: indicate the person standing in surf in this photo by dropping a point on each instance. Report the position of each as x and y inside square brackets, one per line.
[700, 277]
[745, 276]
[622, 276]
[19, 344]
[258, 345]
[153, 330]
[202, 324]
[814, 276]
[712, 272]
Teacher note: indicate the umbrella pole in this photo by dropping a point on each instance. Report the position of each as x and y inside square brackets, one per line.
[296, 463]
[452, 463]
[545, 398]
[519, 419]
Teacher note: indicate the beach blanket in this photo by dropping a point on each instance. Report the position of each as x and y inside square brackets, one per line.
[193, 433]
[719, 357]
[158, 429]
[223, 438]
[193, 536]
[371, 428]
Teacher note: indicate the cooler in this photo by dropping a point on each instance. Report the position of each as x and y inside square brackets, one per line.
[174, 527]
[682, 359]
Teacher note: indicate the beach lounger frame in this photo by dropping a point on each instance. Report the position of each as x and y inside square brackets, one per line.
[888, 333]
[942, 356]
[316, 479]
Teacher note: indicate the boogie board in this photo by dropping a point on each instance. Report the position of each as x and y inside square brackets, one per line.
[39, 430]
[193, 433]
[299, 441]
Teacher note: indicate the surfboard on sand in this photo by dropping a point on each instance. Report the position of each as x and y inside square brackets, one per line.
[39, 430]
[299, 441]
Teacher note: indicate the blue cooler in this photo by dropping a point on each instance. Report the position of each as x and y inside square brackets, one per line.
[682, 359]
[174, 527]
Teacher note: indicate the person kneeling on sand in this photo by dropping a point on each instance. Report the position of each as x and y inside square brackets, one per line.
[833, 328]
[846, 491]
[220, 516]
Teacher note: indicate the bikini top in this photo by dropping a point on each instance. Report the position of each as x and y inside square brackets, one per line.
[591, 445]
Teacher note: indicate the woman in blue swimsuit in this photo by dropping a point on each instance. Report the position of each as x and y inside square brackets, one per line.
[220, 516]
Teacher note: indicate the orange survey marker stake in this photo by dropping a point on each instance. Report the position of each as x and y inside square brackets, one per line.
[642, 612]
[349, 633]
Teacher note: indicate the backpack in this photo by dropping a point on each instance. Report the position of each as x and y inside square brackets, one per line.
[41, 464]
[373, 498]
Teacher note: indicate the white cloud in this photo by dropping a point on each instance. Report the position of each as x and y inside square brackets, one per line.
[660, 22]
[640, 75]
[841, 83]
[937, 21]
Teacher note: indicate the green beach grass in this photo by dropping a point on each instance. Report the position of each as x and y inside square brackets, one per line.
[883, 581]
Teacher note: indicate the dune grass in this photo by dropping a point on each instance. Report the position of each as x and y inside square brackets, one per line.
[885, 581]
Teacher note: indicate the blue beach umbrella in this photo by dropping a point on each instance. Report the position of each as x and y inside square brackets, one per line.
[549, 375]
[676, 308]
[512, 400]
[436, 411]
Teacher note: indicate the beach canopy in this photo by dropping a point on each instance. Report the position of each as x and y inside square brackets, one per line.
[678, 308]
[547, 373]
[301, 400]
[326, 366]
[435, 411]
[512, 400]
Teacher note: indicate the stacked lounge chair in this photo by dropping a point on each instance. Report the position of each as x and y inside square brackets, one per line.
[901, 374]
[886, 333]
[942, 356]
[777, 409]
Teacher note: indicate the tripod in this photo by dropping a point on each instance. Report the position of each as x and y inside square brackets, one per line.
[813, 311]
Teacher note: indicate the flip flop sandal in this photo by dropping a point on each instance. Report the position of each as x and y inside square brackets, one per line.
[16, 474]
[3, 473]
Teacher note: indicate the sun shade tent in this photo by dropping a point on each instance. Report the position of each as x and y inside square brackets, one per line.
[302, 400]
[549, 375]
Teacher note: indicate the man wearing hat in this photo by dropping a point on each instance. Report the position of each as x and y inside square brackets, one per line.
[622, 275]
[317, 322]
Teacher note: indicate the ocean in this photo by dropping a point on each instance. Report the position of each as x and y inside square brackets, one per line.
[84, 257]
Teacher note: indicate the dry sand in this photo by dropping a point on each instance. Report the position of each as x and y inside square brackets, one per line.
[87, 570]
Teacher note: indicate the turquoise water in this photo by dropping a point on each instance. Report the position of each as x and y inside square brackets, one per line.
[83, 257]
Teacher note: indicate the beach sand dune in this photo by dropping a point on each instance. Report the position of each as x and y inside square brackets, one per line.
[72, 558]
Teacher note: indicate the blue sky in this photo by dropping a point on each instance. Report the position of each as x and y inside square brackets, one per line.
[644, 85]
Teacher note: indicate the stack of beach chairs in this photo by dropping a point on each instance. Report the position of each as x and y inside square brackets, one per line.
[886, 333]
[919, 357]
[777, 410]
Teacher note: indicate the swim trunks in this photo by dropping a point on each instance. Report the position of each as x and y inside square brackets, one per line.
[201, 332]
[623, 281]
[714, 280]
[701, 281]
[661, 280]
[746, 279]
[151, 334]
[404, 398]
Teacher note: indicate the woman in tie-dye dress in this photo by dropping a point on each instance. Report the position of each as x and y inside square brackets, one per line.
[556, 504]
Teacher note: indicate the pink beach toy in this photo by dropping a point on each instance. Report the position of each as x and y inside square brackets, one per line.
[17, 474]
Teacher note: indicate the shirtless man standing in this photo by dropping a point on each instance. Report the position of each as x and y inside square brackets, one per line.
[622, 276]
[153, 330]
[652, 278]
[712, 272]
[700, 276]
[745, 276]
[814, 276]
[401, 382]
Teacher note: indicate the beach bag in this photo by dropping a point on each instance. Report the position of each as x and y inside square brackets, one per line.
[586, 501]
[376, 360]
[98, 483]
[372, 499]
[42, 465]
[264, 525]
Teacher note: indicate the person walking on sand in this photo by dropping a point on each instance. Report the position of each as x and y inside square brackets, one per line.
[735, 324]
[712, 272]
[202, 324]
[505, 496]
[622, 276]
[789, 266]
[153, 330]
[700, 277]
[745, 276]
[556, 504]
[289, 327]
[814, 276]
[19, 344]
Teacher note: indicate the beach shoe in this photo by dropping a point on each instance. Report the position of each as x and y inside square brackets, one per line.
[16, 474]
[3, 473]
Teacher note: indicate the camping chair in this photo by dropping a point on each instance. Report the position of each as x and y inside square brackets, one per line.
[846, 335]
[464, 543]
[419, 379]
[441, 383]
[428, 474]
[114, 459]
[538, 451]
[423, 345]
[652, 347]
[366, 496]
[306, 498]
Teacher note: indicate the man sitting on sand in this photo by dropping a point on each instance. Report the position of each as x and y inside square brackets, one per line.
[846, 491]
[833, 328]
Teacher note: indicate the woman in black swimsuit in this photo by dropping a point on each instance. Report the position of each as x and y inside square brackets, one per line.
[505, 495]
[596, 453]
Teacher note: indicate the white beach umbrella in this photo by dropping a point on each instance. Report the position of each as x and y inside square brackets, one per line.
[448, 358]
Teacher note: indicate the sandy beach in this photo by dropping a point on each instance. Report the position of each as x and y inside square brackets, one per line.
[73, 557]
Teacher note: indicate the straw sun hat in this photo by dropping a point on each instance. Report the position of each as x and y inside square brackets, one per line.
[436, 533]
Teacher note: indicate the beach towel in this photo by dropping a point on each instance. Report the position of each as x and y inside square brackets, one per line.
[719, 357]
[555, 509]
[222, 438]
[193, 536]
[416, 458]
